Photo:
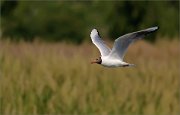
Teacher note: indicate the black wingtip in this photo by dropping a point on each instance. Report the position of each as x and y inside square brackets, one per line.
[152, 29]
[156, 27]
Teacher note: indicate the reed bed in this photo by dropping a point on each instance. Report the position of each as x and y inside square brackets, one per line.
[57, 78]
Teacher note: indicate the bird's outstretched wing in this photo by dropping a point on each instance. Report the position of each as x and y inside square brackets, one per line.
[103, 48]
[121, 44]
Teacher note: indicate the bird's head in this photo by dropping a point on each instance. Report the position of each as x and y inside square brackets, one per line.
[98, 61]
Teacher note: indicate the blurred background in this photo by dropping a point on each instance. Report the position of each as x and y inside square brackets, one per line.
[45, 54]
[72, 21]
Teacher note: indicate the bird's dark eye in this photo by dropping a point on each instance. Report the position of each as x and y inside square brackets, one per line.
[96, 59]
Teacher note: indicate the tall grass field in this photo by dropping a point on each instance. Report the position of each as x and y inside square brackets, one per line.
[57, 78]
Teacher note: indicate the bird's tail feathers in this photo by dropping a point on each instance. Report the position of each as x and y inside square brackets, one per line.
[129, 65]
[132, 65]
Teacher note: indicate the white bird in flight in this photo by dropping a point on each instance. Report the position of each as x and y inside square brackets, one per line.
[114, 57]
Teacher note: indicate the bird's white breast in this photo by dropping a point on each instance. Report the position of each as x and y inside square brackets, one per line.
[109, 62]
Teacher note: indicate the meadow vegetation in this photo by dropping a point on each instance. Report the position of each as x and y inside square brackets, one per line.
[57, 78]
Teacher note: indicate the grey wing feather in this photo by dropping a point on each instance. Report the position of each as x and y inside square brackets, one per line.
[122, 43]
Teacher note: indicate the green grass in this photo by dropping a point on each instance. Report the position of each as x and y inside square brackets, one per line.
[57, 78]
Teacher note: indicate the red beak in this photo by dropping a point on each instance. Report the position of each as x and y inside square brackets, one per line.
[93, 62]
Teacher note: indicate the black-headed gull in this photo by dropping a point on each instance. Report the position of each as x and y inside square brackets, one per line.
[114, 57]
